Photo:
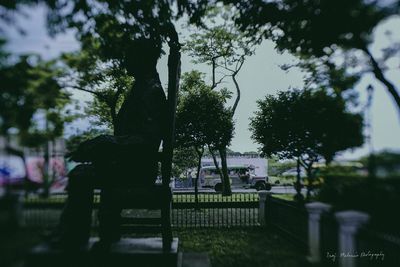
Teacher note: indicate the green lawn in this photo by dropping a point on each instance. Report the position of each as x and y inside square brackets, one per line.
[253, 247]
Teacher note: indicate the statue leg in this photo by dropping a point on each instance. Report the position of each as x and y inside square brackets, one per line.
[75, 219]
[109, 217]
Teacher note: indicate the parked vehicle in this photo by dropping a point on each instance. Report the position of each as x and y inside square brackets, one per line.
[289, 178]
[293, 173]
[241, 176]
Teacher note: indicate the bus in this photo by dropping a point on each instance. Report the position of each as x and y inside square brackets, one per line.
[240, 176]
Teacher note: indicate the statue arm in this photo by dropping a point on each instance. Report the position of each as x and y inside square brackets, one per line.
[124, 140]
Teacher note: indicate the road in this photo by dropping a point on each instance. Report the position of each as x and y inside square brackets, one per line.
[275, 190]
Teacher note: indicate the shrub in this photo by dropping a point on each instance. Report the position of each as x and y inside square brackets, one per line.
[378, 197]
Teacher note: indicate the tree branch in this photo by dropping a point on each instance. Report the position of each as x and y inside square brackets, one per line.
[220, 81]
[381, 77]
[214, 67]
[302, 163]
[97, 94]
[213, 73]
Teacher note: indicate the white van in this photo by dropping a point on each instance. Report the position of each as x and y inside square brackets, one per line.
[241, 176]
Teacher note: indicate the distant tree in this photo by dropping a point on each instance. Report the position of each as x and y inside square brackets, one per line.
[276, 166]
[219, 44]
[202, 119]
[387, 160]
[184, 159]
[33, 104]
[30, 87]
[305, 125]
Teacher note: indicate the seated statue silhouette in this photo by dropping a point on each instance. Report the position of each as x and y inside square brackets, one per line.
[127, 159]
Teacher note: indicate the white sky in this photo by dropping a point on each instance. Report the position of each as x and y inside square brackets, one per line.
[259, 76]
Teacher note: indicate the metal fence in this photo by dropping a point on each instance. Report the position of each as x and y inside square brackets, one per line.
[289, 218]
[212, 210]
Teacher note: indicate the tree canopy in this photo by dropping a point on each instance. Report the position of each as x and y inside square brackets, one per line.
[184, 158]
[118, 24]
[313, 27]
[29, 88]
[202, 118]
[305, 124]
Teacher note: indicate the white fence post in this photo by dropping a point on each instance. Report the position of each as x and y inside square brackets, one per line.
[349, 224]
[315, 209]
[261, 207]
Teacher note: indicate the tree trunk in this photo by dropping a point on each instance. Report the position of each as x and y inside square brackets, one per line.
[310, 177]
[237, 93]
[226, 184]
[7, 179]
[371, 167]
[18, 152]
[113, 114]
[310, 182]
[199, 152]
[46, 166]
[298, 197]
[214, 157]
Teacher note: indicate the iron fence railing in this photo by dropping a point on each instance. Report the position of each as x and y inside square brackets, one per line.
[288, 217]
[212, 210]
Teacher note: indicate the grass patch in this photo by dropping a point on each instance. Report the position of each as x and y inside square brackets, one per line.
[15, 245]
[253, 247]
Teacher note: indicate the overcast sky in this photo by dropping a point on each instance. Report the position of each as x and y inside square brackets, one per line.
[259, 76]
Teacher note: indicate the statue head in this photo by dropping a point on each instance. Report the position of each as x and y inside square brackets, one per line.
[142, 56]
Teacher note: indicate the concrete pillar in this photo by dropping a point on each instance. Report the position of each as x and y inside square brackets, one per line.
[315, 210]
[349, 224]
[263, 194]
